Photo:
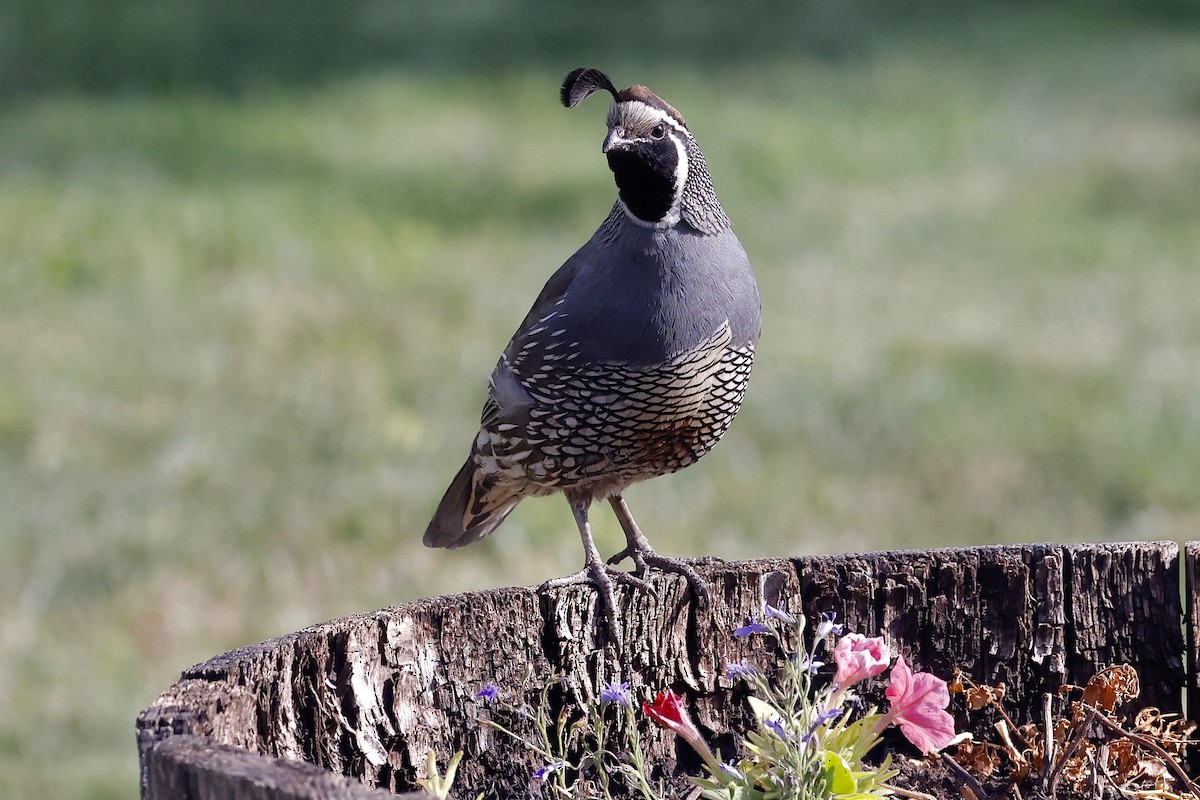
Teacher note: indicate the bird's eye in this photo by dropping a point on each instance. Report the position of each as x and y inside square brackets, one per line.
[659, 131]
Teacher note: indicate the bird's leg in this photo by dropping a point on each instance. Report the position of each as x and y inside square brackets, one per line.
[596, 573]
[638, 548]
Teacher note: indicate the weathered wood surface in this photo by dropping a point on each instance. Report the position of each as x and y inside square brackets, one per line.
[366, 696]
[1192, 635]
[201, 769]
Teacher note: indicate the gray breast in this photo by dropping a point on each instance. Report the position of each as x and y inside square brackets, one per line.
[642, 295]
[633, 367]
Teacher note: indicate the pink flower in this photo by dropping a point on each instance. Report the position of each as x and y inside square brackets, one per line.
[858, 658]
[668, 711]
[919, 707]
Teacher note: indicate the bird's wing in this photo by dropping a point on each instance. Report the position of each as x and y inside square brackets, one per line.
[507, 400]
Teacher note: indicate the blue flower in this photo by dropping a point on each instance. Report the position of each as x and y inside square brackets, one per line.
[732, 771]
[545, 772]
[805, 665]
[752, 626]
[777, 727]
[826, 716]
[739, 670]
[489, 693]
[616, 693]
[828, 626]
[782, 616]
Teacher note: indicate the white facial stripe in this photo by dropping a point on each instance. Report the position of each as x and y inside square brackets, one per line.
[681, 176]
[637, 114]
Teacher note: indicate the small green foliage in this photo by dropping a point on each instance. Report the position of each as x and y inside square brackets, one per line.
[436, 784]
[810, 744]
[806, 746]
[594, 756]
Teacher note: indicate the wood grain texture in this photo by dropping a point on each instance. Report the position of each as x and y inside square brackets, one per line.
[1192, 637]
[366, 696]
[200, 769]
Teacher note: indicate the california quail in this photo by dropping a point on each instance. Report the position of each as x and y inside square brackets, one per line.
[634, 358]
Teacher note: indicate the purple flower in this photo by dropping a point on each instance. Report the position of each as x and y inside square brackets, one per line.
[777, 727]
[545, 772]
[827, 716]
[828, 626]
[732, 771]
[782, 616]
[616, 693]
[740, 670]
[752, 626]
[489, 693]
[805, 665]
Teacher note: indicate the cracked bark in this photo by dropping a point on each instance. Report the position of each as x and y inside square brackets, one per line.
[366, 696]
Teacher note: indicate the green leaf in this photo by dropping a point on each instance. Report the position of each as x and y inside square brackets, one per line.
[764, 711]
[838, 773]
[436, 784]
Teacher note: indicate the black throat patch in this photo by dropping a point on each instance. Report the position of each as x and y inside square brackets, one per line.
[645, 176]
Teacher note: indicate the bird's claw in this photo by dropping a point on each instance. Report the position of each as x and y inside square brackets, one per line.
[639, 563]
[703, 560]
[602, 578]
[633, 580]
[645, 558]
[617, 558]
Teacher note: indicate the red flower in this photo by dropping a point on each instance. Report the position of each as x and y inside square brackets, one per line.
[919, 707]
[668, 711]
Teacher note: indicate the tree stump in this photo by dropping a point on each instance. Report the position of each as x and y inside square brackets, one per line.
[349, 708]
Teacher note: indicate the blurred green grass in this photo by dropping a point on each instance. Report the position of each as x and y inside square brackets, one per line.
[246, 321]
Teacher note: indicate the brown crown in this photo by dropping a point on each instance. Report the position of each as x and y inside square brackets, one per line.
[644, 95]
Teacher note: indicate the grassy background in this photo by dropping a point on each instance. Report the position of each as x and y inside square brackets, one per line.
[255, 267]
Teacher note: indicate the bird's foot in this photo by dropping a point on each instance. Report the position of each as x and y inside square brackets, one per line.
[602, 578]
[703, 561]
[639, 563]
[644, 558]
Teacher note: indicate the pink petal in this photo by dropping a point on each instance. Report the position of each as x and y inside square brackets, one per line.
[901, 681]
[918, 707]
[859, 658]
[932, 735]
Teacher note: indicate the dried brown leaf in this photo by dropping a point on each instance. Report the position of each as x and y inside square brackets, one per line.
[1155, 768]
[1141, 759]
[978, 697]
[979, 758]
[1112, 686]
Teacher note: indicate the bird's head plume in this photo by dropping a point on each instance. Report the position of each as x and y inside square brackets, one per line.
[648, 146]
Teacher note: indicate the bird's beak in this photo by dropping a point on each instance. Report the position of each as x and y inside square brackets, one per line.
[615, 138]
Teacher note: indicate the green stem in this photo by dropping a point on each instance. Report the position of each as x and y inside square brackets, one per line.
[600, 751]
[543, 752]
[639, 758]
[880, 724]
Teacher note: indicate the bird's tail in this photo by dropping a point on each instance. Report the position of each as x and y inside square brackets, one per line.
[471, 509]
